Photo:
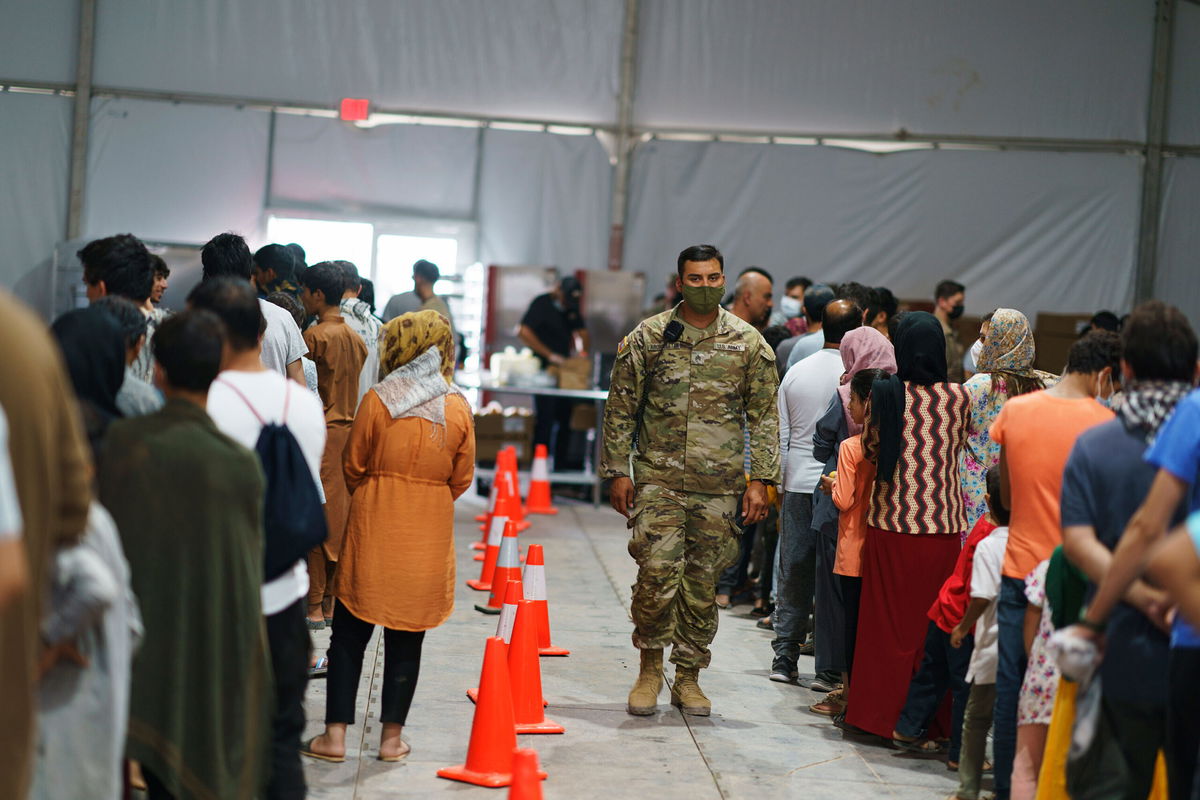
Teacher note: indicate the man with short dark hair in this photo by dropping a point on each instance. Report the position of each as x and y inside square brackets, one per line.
[360, 319]
[339, 354]
[161, 273]
[275, 269]
[554, 329]
[815, 300]
[188, 502]
[245, 397]
[1036, 432]
[862, 296]
[948, 306]
[1106, 480]
[685, 386]
[121, 265]
[425, 275]
[226, 254]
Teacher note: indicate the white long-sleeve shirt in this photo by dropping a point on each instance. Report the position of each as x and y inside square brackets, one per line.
[804, 396]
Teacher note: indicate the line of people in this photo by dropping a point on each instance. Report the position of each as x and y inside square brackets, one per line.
[961, 529]
[176, 535]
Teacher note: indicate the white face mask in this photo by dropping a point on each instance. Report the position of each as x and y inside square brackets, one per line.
[790, 306]
[976, 351]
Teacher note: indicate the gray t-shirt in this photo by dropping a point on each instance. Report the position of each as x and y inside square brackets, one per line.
[282, 341]
[808, 344]
[401, 303]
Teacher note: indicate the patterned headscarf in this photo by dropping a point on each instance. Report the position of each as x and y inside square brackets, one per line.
[409, 335]
[1008, 346]
[1146, 405]
[863, 348]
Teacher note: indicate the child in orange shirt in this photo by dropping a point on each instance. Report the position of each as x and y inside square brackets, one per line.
[850, 485]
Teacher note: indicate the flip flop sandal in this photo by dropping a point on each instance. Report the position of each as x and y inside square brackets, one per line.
[306, 750]
[918, 747]
[827, 708]
[320, 669]
[394, 759]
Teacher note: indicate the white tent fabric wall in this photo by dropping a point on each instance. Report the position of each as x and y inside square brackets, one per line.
[36, 135]
[175, 172]
[1032, 230]
[329, 165]
[544, 200]
[37, 40]
[1178, 277]
[1071, 69]
[525, 58]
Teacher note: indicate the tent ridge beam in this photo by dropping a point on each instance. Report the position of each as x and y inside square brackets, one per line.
[910, 137]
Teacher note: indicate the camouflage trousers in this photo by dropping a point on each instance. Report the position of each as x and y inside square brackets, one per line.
[681, 542]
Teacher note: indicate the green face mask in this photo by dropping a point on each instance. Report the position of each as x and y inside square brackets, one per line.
[703, 299]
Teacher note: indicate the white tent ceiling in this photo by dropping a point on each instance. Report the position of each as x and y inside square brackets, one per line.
[1077, 71]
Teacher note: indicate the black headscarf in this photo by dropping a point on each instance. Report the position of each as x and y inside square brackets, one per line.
[93, 346]
[921, 349]
[920, 359]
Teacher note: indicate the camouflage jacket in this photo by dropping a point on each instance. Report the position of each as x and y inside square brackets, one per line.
[704, 389]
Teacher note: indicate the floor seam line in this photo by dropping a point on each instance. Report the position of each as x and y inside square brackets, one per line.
[596, 553]
[703, 757]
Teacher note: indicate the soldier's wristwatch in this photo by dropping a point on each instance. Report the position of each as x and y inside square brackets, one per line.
[765, 481]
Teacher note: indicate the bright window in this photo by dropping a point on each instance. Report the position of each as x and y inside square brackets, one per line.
[396, 254]
[326, 240]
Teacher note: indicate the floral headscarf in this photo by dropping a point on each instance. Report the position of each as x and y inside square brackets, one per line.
[417, 359]
[1009, 345]
[863, 348]
[409, 335]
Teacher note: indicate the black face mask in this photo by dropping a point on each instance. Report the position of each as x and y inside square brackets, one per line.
[957, 311]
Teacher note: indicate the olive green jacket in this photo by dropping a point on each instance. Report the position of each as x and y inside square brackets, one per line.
[706, 389]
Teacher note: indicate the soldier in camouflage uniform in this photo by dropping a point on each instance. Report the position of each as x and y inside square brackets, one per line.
[680, 487]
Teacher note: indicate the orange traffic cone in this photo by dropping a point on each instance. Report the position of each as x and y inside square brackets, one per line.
[507, 569]
[504, 626]
[534, 577]
[515, 485]
[497, 485]
[540, 501]
[525, 674]
[493, 737]
[525, 783]
[484, 582]
[508, 505]
[491, 506]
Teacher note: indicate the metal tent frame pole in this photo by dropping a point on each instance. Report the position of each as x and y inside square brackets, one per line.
[1156, 133]
[83, 114]
[625, 135]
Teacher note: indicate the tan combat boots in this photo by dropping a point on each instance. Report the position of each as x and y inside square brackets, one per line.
[686, 694]
[643, 697]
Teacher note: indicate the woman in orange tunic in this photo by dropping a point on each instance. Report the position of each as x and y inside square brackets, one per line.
[411, 454]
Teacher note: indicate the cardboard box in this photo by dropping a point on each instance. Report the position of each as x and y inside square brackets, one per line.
[583, 417]
[1065, 325]
[575, 373]
[494, 432]
[1053, 336]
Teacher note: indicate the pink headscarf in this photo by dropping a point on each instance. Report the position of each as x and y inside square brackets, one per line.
[863, 348]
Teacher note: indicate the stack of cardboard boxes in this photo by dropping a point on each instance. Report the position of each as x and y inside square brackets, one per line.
[496, 428]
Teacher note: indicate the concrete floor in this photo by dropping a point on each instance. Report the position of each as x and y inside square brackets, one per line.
[760, 742]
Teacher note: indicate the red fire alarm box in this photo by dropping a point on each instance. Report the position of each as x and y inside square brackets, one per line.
[355, 108]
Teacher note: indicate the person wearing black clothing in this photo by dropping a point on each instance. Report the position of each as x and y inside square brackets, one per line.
[554, 329]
